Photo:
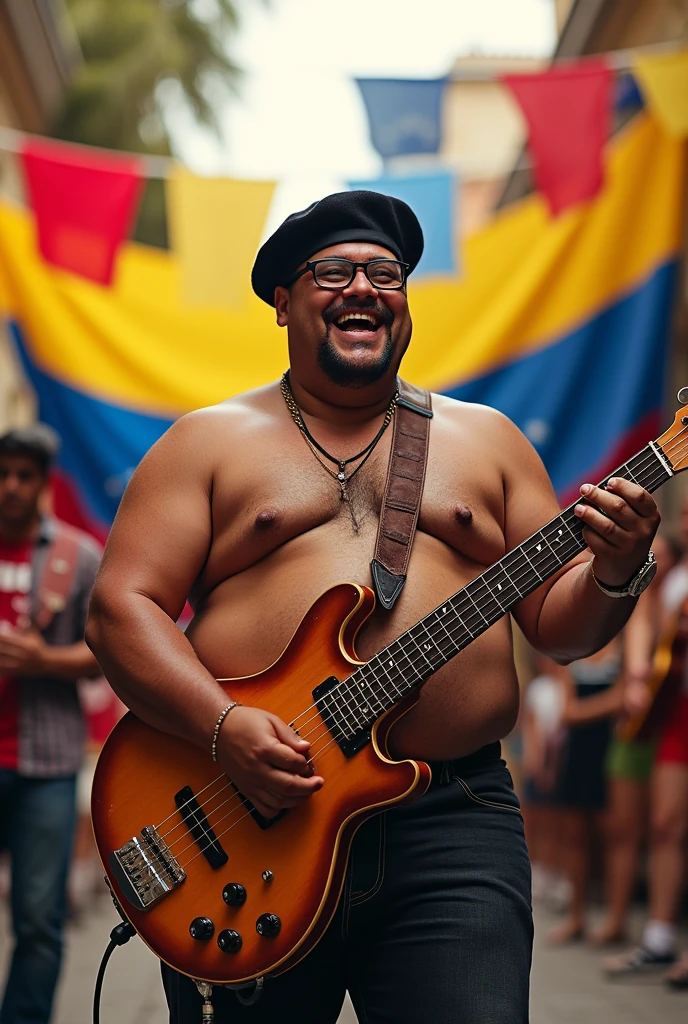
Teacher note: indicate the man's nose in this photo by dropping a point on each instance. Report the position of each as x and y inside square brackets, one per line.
[360, 284]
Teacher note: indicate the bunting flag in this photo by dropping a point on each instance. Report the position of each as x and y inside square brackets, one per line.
[215, 227]
[84, 202]
[433, 199]
[404, 115]
[561, 324]
[664, 81]
[568, 114]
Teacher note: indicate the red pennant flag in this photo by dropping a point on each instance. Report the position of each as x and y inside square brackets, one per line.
[84, 202]
[568, 115]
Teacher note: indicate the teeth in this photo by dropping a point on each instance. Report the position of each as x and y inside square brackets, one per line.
[354, 316]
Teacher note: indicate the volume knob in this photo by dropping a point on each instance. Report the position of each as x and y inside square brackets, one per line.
[268, 925]
[234, 894]
[229, 941]
[201, 928]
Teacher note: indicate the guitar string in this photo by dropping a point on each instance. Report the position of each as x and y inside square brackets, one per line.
[355, 707]
[648, 458]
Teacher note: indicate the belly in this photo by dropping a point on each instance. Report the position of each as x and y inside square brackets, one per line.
[247, 621]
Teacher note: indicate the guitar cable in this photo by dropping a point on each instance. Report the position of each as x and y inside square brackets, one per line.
[120, 934]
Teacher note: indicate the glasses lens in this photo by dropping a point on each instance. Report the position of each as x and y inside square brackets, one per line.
[386, 274]
[333, 273]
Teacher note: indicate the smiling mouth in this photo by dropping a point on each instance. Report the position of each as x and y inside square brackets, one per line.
[358, 323]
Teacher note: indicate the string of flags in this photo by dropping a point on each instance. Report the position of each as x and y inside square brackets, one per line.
[85, 200]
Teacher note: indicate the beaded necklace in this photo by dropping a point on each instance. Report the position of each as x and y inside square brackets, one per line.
[317, 449]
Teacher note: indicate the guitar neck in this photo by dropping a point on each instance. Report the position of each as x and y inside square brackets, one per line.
[414, 656]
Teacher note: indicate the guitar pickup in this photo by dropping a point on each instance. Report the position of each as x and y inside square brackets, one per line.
[145, 869]
[199, 827]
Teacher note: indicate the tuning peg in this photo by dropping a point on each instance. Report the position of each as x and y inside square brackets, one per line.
[683, 396]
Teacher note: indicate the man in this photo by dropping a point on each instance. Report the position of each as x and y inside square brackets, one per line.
[659, 611]
[46, 574]
[240, 507]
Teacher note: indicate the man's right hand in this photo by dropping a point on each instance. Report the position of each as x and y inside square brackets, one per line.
[266, 760]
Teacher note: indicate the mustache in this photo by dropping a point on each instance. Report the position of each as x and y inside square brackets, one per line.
[337, 308]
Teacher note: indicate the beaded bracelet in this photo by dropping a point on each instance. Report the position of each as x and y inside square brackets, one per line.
[216, 733]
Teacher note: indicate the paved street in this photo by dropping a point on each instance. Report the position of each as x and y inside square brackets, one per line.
[567, 985]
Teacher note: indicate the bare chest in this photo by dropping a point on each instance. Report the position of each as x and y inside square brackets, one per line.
[274, 498]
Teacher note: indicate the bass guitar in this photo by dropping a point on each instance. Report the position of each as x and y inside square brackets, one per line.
[226, 896]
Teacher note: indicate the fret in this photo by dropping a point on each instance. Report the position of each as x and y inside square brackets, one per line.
[399, 656]
[447, 638]
[364, 711]
[368, 697]
[429, 649]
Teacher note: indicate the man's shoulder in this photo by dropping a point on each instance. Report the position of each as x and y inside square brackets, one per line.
[453, 410]
[237, 412]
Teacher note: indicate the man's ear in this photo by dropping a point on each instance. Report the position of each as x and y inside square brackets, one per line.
[282, 305]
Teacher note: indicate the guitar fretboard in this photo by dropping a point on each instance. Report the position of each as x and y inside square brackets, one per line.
[433, 641]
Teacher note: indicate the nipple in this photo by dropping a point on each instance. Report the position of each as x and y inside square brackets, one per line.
[463, 514]
[265, 519]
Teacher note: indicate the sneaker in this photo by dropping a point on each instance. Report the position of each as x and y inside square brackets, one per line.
[636, 961]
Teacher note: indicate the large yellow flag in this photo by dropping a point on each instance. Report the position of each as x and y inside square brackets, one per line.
[215, 228]
[664, 82]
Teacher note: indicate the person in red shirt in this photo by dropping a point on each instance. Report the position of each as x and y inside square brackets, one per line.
[41, 725]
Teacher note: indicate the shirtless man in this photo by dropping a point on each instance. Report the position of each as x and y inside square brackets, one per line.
[232, 509]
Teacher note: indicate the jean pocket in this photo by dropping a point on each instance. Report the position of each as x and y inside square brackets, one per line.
[486, 800]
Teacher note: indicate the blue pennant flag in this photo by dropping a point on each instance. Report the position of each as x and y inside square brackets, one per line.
[404, 114]
[432, 197]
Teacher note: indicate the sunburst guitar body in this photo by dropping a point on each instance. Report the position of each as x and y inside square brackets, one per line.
[273, 886]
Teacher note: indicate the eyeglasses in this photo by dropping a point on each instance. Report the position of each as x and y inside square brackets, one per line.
[336, 273]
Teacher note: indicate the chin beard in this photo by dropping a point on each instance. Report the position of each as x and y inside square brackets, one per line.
[349, 374]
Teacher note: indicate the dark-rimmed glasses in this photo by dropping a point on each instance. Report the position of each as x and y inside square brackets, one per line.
[336, 273]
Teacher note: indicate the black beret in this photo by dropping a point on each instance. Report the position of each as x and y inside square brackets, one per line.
[341, 217]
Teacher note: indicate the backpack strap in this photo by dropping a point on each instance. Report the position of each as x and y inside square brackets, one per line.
[57, 576]
[403, 492]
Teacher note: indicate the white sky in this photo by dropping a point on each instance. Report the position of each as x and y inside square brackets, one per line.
[299, 118]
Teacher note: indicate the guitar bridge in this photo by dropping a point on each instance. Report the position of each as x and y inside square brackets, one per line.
[145, 869]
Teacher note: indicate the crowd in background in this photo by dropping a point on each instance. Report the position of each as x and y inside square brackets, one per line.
[604, 779]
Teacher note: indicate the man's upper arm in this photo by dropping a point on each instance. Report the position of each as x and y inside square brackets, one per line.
[162, 531]
[530, 503]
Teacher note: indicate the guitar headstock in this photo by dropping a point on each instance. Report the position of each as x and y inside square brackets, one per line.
[674, 441]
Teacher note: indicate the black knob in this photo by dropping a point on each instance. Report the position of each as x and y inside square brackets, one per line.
[268, 925]
[234, 894]
[229, 941]
[201, 928]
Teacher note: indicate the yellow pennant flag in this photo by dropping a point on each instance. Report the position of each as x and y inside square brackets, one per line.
[215, 228]
[664, 82]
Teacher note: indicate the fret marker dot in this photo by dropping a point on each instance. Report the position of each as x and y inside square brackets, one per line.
[444, 610]
[539, 547]
[391, 664]
[499, 586]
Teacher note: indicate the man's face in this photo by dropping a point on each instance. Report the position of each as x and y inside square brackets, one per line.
[21, 483]
[354, 334]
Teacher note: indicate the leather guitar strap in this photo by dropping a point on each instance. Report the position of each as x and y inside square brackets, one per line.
[403, 492]
[57, 577]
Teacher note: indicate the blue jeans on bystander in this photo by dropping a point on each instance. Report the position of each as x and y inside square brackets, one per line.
[37, 819]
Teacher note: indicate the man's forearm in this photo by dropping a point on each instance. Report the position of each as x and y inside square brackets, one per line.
[577, 619]
[153, 668]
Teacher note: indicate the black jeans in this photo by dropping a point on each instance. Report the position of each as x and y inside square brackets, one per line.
[434, 924]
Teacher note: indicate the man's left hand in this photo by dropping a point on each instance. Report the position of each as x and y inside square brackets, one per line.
[620, 530]
[23, 654]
